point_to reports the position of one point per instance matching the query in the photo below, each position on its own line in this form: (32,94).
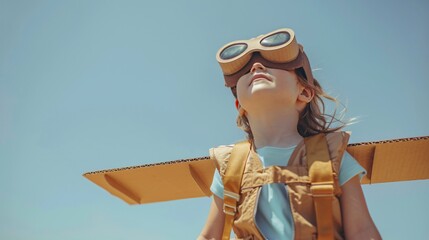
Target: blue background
(90,85)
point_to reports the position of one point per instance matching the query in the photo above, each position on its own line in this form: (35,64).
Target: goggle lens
(233,51)
(276,39)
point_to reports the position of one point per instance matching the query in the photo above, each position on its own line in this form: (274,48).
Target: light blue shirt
(273,216)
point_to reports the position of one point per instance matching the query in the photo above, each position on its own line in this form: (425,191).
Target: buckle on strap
(230,200)
(322,189)
(231,195)
(229,209)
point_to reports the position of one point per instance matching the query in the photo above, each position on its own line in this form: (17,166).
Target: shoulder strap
(232,184)
(322,183)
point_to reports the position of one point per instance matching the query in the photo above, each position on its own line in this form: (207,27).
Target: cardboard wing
(394,160)
(187,178)
(385,161)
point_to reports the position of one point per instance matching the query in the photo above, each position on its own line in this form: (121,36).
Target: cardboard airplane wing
(187,178)
(394,160)
(385,161)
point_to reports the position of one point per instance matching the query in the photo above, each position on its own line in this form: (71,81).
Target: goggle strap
(300,61)
(307,68)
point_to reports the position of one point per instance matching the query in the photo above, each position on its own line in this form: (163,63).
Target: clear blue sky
(90,85)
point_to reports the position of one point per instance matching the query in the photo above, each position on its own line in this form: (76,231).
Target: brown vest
(297,182)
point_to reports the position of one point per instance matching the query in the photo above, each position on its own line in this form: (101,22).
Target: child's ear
(306,95)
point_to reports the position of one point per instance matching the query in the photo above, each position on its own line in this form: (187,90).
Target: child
(280,108)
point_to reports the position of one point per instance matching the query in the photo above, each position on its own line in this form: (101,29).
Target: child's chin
(261,87)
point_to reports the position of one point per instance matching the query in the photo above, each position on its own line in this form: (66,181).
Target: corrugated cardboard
(385,161)
(394,160)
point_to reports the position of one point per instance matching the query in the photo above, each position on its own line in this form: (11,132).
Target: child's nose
(257,66)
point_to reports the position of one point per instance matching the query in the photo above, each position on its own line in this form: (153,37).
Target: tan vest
(295,176)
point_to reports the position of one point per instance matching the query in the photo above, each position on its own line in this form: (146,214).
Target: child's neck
(275,128)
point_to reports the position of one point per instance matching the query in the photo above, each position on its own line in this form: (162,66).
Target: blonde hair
(312,119)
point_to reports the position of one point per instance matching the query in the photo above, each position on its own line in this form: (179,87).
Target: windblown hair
(313,119)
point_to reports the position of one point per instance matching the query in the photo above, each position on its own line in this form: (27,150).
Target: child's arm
(215,221)
(357,221)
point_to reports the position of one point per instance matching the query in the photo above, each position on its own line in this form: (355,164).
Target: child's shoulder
(337,144)
(221,151)
(220,155)
(338,138)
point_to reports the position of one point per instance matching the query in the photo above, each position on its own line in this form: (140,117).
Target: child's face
(262,86)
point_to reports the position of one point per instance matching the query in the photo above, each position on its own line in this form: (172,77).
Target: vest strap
(275,174)
(322,184)
(232,183)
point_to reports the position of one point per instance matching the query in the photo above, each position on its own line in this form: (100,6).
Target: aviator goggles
(278,49)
